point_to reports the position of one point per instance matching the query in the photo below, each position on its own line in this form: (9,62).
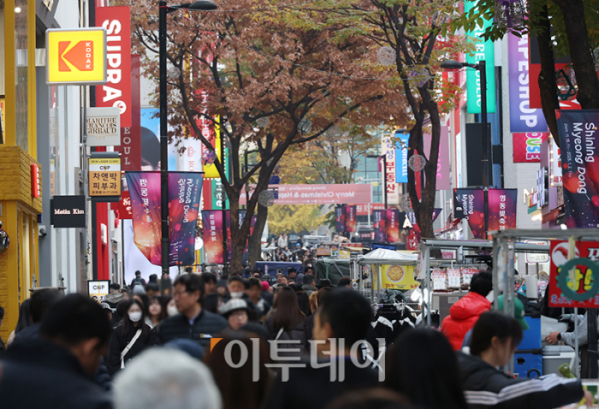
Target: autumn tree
(561,27)
(415,37)
(263,82)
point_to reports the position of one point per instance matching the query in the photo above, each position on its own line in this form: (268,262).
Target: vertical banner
(484,51)
(502,209)
(523,118)
(211,132)
(144,188)
(184,192)
(392,225)
(340,219)
(388,149)
(470,204)
(401,156)
(379,219)
(212,220)
(117,91)
(580,166)
(527,146)
(350,219)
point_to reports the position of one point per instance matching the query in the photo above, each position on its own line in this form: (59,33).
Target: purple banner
(379,220)
(350,219)
(470,204)
(212,220)
(522,118)
(185,189)
(340,219)
(144,188)
(502,209)
(184,193)
(580,166)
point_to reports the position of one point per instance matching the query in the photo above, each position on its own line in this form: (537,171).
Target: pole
(162,12)
(224,208)
(385,176)
(482,68)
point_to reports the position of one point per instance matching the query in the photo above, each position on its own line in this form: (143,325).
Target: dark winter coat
(120,340)
(206,326)
(309,289)
(312,388)
(38,374)
(485,387)
(299,333)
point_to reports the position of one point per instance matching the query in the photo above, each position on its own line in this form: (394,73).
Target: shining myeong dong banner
(184,202)
(379,222)
(523,118)
(580,166)
(484,51)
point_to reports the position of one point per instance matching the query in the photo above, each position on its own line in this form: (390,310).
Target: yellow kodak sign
(76,56)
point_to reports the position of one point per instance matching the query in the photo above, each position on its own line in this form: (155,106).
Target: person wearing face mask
(130,338)
(171,308)
(237,290)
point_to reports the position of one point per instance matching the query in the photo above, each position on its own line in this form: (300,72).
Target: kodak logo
(81,56)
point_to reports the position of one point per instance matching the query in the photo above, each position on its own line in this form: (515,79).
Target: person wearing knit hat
(265,286)
(235,312)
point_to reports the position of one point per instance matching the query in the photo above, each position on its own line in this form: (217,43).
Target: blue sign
(274,180)
(401,157)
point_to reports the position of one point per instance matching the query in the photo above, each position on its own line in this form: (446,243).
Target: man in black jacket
(192,322)
(55,370)
(343,315)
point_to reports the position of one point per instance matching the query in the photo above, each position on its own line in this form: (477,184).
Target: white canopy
(379,255)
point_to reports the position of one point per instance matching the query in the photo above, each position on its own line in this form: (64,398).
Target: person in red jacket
(464,313)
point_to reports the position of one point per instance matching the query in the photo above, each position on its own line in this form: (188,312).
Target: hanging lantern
(304,126)
(405,203)
(334,132)
(266,198)
(263,122)
(420,75)
(386,55)
(510,14)
(417,162)
(565,89)
(4,240)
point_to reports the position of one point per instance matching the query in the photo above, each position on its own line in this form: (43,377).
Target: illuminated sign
(76,56)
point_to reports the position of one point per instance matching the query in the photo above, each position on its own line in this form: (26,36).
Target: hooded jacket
(485,387)
(462,317)
(120,340)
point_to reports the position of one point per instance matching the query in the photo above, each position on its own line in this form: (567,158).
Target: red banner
(350,219)
(527,146)
(583,277)
(124,207)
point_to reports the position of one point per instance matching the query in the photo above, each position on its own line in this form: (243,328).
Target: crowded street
(299,204)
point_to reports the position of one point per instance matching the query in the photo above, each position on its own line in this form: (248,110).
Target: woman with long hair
(286,322)
(23,322)
(157,310)
(238,387)
(129,338)
(422,366)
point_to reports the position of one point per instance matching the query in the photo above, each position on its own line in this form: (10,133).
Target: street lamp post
(204,5)
(481,67)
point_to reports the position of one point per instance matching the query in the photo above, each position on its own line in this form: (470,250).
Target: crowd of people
(252,343)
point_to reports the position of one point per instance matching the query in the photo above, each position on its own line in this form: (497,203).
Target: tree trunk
(547,82)
(238,237)
(255,247)
(580,53)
